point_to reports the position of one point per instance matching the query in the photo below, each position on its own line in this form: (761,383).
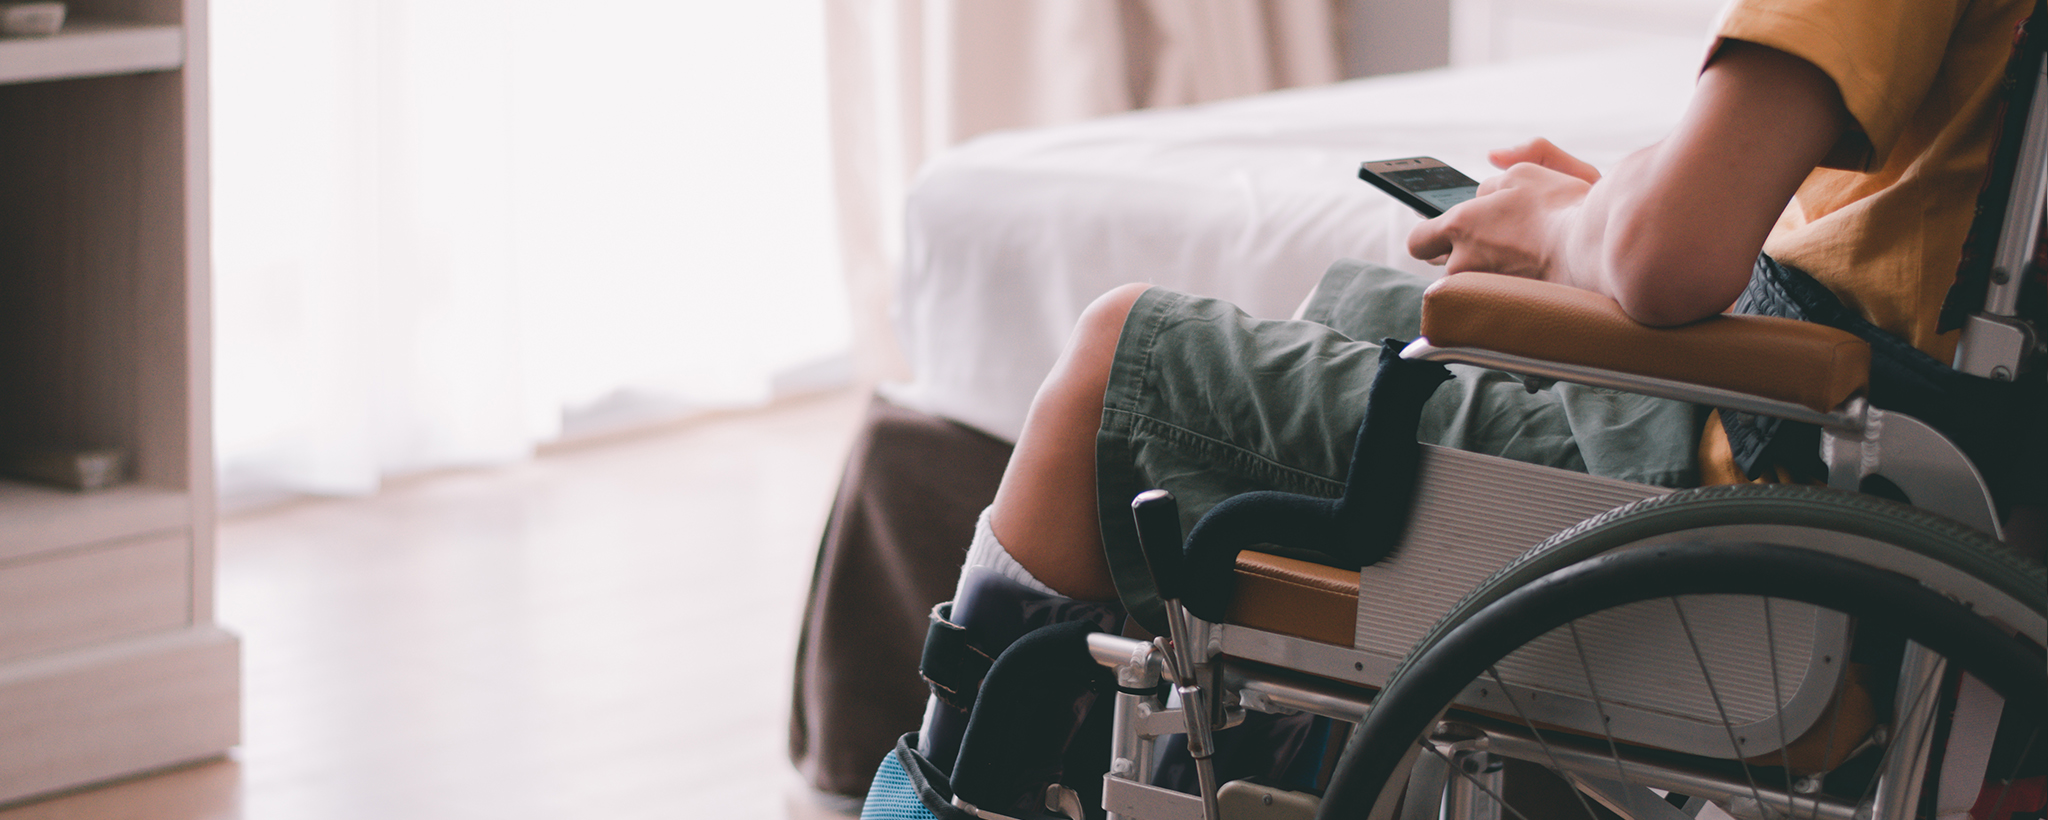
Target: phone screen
(1438,185)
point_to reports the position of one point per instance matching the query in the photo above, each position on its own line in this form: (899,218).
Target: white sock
(987,553)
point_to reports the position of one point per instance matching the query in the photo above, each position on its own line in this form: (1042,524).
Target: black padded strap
(952,663)
(1352,531)
(1379,488)
(1038,690)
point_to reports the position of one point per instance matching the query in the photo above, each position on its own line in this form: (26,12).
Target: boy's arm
(1671,232)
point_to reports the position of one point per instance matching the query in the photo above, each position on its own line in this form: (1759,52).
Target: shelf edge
(36,520)
(92,49)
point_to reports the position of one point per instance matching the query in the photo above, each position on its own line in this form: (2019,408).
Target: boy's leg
(1039,546)
(1045,513)
(1208,402)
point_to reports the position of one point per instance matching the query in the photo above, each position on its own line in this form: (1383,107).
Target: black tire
(1792,511)
(1645,552)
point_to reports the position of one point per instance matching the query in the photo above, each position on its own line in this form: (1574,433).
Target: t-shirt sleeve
(1882,54)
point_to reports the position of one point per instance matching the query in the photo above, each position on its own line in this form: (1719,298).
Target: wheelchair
(1541,643)
(1758,651)
(1753,651)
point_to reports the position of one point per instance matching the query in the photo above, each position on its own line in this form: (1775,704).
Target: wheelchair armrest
(1814,366)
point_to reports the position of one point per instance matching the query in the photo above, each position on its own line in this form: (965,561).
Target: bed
(1011,235)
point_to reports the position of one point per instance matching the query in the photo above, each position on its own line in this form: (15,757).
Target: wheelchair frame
(1476,514)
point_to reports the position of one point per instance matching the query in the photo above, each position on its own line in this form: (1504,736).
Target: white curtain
(446,228)
(910,77)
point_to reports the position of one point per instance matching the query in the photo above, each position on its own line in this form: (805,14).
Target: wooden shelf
(35,519)
(110,662)
(89,48)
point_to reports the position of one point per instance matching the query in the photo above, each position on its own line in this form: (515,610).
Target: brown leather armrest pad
(1295,598)
(1812,365)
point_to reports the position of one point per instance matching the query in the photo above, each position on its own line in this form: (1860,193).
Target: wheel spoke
(1778,706)
(1901,712)
(1459,771)
(1834,732)
(1721,708)
(1599,706)
(1548,754)
(1653,712)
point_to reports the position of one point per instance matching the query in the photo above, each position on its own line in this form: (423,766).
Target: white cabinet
(110,661)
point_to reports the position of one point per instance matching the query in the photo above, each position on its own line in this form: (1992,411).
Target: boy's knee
(1084,365)
(1103,320)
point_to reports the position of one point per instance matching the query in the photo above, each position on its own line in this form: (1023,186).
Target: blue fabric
(893,796)
(907,787)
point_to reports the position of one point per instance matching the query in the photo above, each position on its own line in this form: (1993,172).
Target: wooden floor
(605,632)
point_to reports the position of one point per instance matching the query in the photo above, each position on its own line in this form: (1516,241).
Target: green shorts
(1208,402)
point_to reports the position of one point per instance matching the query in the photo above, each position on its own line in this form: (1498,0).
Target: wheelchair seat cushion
(1812,365)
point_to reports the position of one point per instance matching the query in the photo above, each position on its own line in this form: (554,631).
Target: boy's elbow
(1660,310)
(1667,265)
(1674,288)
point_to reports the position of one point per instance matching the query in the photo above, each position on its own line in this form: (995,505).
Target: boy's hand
(1669,233)
(1517,222)
(1542,152)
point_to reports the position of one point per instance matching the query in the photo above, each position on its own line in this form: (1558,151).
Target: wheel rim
(1468,655)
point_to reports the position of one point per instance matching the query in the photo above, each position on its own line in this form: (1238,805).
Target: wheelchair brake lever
(1159,537)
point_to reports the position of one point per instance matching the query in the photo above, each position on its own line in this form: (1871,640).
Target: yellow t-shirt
(1883,226)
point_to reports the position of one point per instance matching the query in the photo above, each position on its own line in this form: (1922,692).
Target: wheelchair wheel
(1660,658)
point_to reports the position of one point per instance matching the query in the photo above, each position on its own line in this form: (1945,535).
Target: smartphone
(1423,183)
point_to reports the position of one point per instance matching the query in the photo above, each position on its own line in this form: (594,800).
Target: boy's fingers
(1537,150)
(1430,240)
(1540,151)
(1505,158)
(1556,159)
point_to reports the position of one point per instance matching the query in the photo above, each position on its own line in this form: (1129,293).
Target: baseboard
(75,718)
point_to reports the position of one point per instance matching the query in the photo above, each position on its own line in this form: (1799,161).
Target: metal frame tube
(1475,781)
(1138,666)
(1629,382)
(1424,798)
(2023,207)
(1589,756)
(1905,763)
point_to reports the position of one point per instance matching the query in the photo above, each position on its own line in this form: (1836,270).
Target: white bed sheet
(1011,235)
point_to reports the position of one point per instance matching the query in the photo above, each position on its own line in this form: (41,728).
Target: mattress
(1010,235)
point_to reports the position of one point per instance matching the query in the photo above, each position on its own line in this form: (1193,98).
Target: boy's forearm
(1663,259)
(1672,231)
